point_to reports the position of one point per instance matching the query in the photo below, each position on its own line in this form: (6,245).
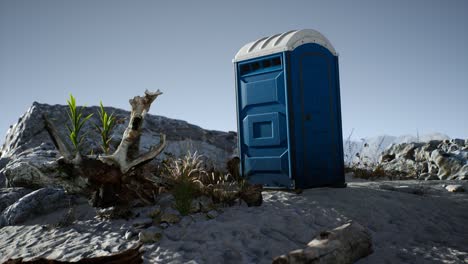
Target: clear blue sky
(403,64)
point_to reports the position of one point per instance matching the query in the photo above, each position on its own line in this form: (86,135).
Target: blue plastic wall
(289,119)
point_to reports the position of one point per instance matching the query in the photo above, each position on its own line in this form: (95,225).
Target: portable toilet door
(288,111)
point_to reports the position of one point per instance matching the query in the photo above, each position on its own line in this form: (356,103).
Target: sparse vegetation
(181,176)
(188,179)
(77,121)
(105,128)
(363,166)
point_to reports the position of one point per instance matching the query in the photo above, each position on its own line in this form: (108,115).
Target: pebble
(212,214)
(455,188)
(129,234)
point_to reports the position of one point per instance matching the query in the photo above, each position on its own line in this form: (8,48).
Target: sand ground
(428,227)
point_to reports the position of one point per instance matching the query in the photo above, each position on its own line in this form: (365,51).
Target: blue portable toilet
(288,111)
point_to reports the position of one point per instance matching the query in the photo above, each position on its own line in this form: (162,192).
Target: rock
(186,221)
(449,164)
(241,203)
(175,234)
(114,212)
(166,200)
(387,157)
(195,206)
(212,214)
(164,225)
(387,187)
(150,236)
(201,204)
(345,244)
(155,212)
(431,177)
(30,154)
(252,195)
(433,169)
(170,216)
(455,188)
(404,189)
(37,171)
(447,159)
(225,193)
(3,163)
(142,222)
(2,179)
(129,234)
(408,151)
(36,203)
(457,141)
(206,203)
(9,196)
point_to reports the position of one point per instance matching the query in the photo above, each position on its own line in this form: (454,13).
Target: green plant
(188,179)
(181,176)
(77,121)
(184,192)
(107,124)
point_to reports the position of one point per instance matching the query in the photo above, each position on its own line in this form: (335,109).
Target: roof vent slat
(255,44)
(282,37)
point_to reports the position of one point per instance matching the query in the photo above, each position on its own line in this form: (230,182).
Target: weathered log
(131,255)
(342,245)
(128,147)
(108,175)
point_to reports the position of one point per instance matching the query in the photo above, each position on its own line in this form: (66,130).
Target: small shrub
(184,192)
(181,176)
(188,179)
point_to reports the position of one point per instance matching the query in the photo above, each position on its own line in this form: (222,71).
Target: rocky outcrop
(436,159)
(9,196)
(28,157)
(39,202)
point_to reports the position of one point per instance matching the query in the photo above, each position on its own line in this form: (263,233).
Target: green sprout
(77,121)
(107,124)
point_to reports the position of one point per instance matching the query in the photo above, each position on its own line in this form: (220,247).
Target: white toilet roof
(282,42)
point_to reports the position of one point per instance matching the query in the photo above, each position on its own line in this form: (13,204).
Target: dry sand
(431,227)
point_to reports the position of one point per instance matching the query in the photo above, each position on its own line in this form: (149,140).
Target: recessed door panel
(263,122)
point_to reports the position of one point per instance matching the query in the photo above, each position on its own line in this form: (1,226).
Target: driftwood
(130,256)
(342,245)
(110,176)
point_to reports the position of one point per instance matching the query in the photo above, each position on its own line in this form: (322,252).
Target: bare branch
(151,154)
(58,142)
(126,156)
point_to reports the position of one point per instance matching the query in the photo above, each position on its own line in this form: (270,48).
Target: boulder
(343,245)
(29,157)
(9,196)
(39,202)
